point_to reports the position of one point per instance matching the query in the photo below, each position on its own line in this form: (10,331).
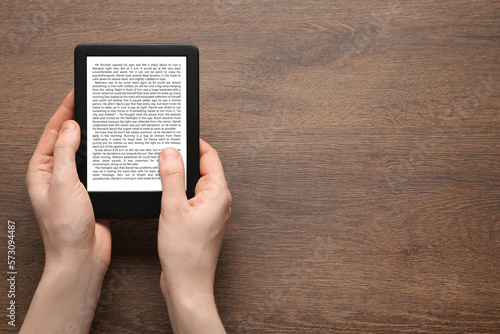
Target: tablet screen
(136,107)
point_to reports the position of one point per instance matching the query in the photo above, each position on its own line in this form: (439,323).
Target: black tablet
(131,102)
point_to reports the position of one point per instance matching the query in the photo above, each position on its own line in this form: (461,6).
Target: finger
(45,148)
(209,160)
(49,137)
(212,182)
(103,221)
(163,286)
(102,230)
(64,153)
(172,178)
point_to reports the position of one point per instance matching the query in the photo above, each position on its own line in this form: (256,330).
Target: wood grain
(360,141)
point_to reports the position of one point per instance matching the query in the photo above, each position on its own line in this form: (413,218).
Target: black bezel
(137,204)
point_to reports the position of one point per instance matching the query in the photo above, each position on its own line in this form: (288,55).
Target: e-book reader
(131,102)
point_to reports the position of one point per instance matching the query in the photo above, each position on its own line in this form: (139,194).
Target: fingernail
(170,153)
(68,126)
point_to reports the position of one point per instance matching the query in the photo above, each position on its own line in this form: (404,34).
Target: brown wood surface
(360,141)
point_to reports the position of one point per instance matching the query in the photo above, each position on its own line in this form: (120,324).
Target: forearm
(194,314)
(64,301)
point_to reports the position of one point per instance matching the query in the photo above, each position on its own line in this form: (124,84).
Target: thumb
(172,178)
(64,152)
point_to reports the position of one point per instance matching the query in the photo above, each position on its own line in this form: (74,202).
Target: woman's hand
(189,239)
(77,247)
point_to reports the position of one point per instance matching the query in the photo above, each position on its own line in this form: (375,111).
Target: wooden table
(360,141)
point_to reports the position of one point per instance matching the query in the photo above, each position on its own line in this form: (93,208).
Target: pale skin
(78,247)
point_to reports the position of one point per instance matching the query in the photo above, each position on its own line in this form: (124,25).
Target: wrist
(191,303)
(66,299)
(76,284)
(74,275)
(74,263)
(194,313)
(78,274)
